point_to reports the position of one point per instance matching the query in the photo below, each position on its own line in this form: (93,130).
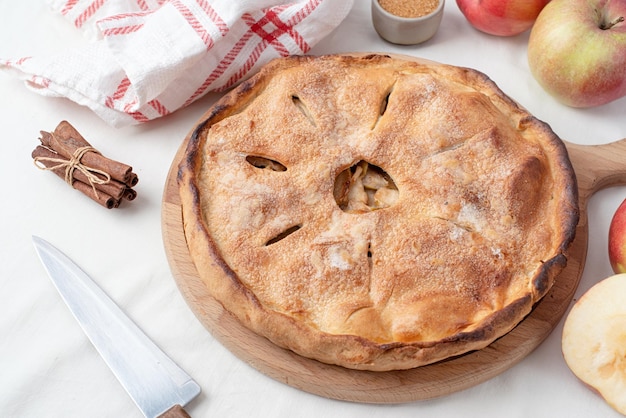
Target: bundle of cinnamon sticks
(67,154)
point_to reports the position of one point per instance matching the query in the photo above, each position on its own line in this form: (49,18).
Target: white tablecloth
(47,366)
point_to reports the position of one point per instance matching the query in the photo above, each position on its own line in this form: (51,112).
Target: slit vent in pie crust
(376,213)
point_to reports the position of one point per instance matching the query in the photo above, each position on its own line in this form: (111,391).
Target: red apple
(577,51)
(501,17)
(617,240)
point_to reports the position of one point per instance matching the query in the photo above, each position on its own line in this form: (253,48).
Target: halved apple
(594,340)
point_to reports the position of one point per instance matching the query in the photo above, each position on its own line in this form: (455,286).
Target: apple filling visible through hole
(364,187)
(265,163)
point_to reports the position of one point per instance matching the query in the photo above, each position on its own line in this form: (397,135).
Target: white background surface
(47,366)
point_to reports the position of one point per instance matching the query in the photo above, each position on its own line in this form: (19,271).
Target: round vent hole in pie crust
(364,187)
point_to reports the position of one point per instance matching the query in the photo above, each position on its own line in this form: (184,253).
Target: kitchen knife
(155,383)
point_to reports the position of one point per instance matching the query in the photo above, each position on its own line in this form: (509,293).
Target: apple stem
(608,25)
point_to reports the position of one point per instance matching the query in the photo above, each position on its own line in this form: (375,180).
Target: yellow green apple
(577,51)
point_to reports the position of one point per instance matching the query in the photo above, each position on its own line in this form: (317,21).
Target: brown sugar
(409,8)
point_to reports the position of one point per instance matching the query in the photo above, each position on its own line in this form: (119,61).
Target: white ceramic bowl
(406,30)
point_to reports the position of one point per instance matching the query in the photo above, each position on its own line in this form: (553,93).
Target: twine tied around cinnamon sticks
(67,154)
(90,173)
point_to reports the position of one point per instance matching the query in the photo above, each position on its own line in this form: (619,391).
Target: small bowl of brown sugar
(407,22)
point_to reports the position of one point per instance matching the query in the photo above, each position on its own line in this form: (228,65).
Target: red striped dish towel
(148,58)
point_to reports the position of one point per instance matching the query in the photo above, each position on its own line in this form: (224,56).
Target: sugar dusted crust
(480,210)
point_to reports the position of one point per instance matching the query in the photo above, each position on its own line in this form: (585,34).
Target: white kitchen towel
(148,58)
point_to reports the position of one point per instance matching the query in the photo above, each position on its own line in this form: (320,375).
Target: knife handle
(176,411)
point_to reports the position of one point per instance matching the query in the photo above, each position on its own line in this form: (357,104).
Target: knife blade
(158,386)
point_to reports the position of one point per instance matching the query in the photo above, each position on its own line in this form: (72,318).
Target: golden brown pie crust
(482,210)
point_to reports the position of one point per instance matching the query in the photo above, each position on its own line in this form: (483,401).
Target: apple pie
(375,212)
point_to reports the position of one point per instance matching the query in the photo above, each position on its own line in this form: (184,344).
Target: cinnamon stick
(67,154)
(84,187)
(132,180)
(102,198)
(113,188)
(130,194)
(65,140)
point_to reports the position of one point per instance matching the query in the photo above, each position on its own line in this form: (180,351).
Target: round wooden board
(596,167)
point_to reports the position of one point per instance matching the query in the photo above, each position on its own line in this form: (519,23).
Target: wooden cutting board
(596,167)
